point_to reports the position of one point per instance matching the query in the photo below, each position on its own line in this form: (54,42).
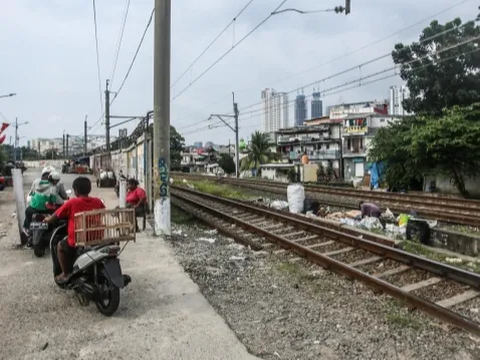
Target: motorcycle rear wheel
(39,249)
(108,298)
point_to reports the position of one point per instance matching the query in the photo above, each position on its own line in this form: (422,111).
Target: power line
(130,67)
(98,53)
(229,50)
(120,40)
(211,44)
(365,46)
(359,66)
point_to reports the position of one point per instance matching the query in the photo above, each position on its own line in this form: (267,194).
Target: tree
(177,143)
(51,154)
(438,80)
(258,152)
(448,145)
(227,164)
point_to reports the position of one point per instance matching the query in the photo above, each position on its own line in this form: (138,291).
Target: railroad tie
(370,260)
(338,252)
(421,284)
(458,299)
(394,271)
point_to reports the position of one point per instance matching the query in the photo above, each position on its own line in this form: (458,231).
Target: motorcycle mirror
(103,202)
(69,192)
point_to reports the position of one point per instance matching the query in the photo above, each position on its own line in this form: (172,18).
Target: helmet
(47,170)
(54,176)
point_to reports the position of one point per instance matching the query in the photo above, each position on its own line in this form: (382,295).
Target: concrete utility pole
(85,141)
(235,130)
(161,118)
(107,115)
(15,143)
(66,147)
(63,146)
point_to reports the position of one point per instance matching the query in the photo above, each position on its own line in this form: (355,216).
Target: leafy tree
(227,164)
(177,143)
(429,145)
(51,154)
(258,152)
(440,80)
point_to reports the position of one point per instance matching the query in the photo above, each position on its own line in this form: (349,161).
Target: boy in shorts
(66,249)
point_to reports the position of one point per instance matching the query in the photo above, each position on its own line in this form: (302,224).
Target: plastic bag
(296,198)
(279,205)
(371,223)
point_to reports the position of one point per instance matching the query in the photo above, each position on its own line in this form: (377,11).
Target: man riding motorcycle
(43,196)
(54,178)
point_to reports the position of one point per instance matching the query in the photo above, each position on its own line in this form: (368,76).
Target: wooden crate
(98,227)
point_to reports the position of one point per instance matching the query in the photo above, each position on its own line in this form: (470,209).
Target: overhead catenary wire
(211,44)
(227,52)
(132,63)
(95,24)
(120,40)
(364,46)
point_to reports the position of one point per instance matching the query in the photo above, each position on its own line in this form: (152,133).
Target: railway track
(445,209)
(435,288)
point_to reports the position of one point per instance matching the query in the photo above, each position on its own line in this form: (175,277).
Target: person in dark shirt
(369,209)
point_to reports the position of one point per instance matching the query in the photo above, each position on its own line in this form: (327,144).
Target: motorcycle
(96,276)
(42,233)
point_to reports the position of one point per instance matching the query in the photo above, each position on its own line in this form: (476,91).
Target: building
(358,131)
(319,138)
(198,144)
(300,110)
(317,106)
(275,110)
(341,110)
(397,95)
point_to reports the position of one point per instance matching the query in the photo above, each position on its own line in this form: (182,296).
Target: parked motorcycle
(96,276)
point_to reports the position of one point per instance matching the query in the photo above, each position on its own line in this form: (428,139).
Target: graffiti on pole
(163,172)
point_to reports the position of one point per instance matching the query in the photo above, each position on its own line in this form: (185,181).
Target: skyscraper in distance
(275,110)
(317,106)
(300,110)
(397,95)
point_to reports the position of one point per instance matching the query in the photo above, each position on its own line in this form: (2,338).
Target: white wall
(445,186)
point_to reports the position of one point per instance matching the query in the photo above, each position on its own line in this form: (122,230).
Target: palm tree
(258,152)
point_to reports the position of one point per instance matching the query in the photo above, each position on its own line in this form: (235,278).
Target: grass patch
(219,190)
(417,248)
(398,315)
(181,217)
(289,268)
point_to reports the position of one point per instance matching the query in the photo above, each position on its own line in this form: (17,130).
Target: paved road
(162,314)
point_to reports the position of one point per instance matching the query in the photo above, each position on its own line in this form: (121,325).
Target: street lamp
(17,124)
(7,95)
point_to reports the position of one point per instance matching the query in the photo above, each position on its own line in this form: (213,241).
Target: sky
(48,57)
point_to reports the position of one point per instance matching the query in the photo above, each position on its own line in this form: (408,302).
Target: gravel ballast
(293,310)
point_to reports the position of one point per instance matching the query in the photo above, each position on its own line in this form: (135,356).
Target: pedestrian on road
(369,209)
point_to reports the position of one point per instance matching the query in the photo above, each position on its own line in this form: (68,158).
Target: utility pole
(15,143)
(66,147)
(107,115)
(63,146)
(85,141)
(161,118)
(235,130)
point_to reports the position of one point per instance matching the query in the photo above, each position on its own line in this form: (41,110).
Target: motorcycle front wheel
(108,298)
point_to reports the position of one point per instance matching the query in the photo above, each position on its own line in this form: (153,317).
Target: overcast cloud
(47,56)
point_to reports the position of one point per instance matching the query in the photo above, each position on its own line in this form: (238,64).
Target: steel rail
(341,268)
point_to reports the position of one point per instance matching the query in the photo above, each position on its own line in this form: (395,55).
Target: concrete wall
(445,186)
(37,164)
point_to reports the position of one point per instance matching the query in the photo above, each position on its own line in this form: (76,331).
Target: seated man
(82,202)
(43,198)
(369,209)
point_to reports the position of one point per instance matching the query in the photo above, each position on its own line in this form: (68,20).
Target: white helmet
(48,169)
(54,176)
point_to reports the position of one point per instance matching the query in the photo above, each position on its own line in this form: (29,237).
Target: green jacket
(43,193)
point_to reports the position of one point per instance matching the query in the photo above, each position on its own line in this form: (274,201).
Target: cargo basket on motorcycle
(98,227)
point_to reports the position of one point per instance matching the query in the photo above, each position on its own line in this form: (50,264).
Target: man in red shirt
(136,198)
(66,249)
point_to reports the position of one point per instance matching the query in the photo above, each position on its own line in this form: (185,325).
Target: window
(328,146)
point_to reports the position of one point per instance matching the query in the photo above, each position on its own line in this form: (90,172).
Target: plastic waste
(371,223)
(279,205)
(296,197)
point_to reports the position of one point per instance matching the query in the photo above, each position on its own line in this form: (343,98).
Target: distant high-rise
(275,110)
(397,95)
(317,106)
(300,110)
(198,144)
